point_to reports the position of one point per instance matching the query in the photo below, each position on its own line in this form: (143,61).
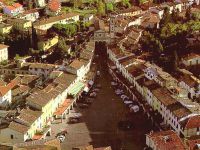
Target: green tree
(126,3)
(175,15)
(101,8)
(188,13)
(151,43)
(109,7)
(166,17)
(77,3)
(17,57)
(62,46)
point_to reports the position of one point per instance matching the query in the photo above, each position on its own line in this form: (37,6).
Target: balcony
(41,134)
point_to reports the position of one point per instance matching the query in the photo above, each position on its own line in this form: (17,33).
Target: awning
(76,88)
(65,105)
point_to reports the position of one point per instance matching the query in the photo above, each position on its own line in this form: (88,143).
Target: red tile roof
(167,140)
(54,5)
(193,122)
(2,46)
(6,88)
(10,7)
(192,144)
(16,5)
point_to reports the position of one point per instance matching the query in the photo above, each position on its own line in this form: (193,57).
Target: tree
(109,7)
(175,15)
(17,57)
(101,8)
(62,47)
(188,13)
(126,3)
(166,18)
(77,3)
(142,1)
(151,43)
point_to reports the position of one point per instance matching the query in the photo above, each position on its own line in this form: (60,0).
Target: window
(11,136)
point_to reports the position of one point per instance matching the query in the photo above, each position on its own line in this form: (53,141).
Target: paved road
(99,122)
(99,126)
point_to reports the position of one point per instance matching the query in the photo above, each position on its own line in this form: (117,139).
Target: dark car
(73,120)
(64,132)
(125,125)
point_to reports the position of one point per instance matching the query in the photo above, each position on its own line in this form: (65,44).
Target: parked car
(125,125)
(88,101)
(98,86)
(114,83)
(64,132)
(98,73)
(96,90)
(119,92)
(123,96)
(61,138)
(83,105)
(73,120)
(93,94)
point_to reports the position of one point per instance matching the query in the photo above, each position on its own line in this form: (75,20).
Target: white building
(3,52)
(5,95)
(79,68)
(30,15)
(191,59)
(41,69)
(46,24)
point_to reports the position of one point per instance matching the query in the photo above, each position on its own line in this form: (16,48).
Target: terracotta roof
(131,9)
(54,5)
(30,11)
(191,56)
(42,66)
(164,96)
(3,46)
(16,5)
(192,143)
(66,79)
(77,64)
(167,140)
(4,90)
(193,122)
(29,116)
(55,19)
(18,127)
(151,84)
(188,80)
(10,7)
(37,137)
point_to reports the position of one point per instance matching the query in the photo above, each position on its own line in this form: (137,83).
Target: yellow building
(47,44)
(20,24)
(5,28)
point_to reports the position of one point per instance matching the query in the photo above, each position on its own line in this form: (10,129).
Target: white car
(93,94)
(96,90)
(123,96)
(119,92)
(98,73)
(114,83)
(61,138)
